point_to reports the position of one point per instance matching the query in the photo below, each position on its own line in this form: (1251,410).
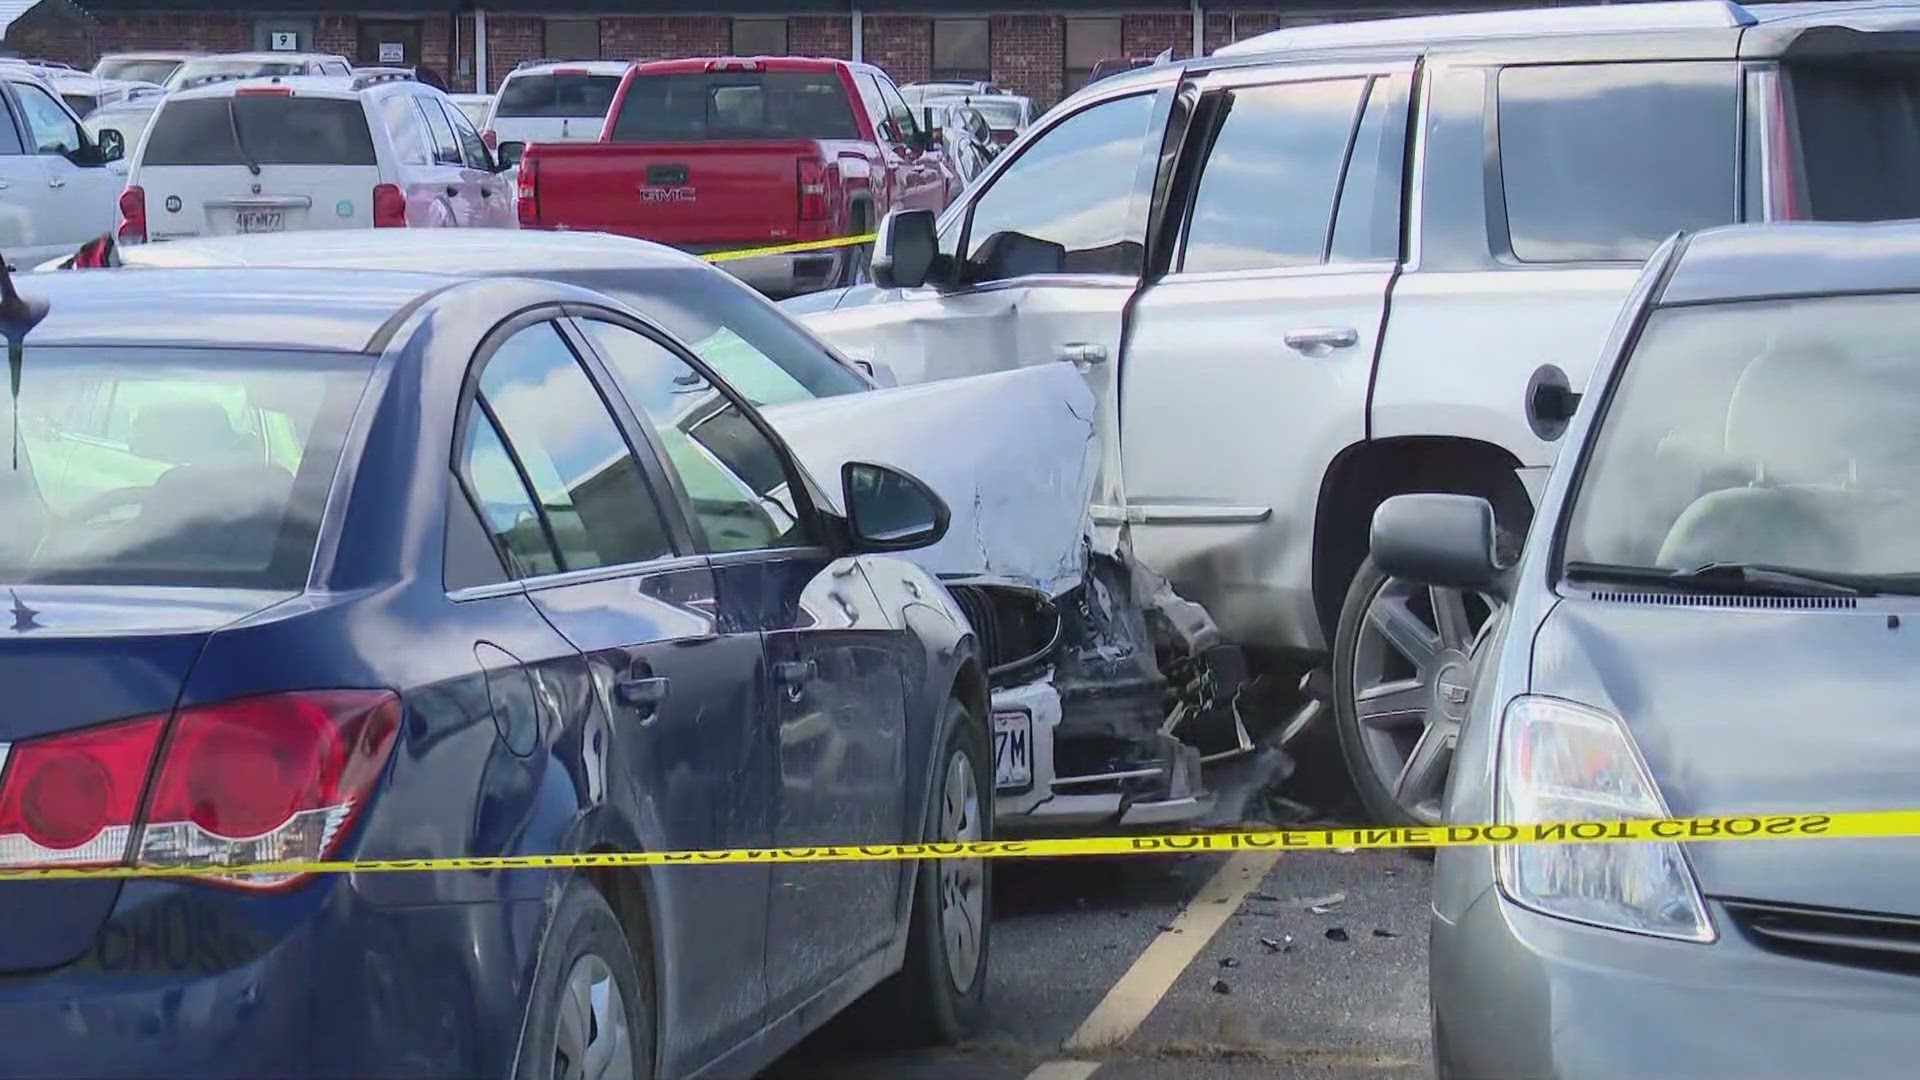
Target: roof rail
(194,82)
(366,77)
(543,61)
(1528,22)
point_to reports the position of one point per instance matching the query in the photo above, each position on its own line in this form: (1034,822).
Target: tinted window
(81,104)
(571,94)
(593,500)
(173,467)
(1777,431)
(735,105)
(408,129)
(1858,125)
(1072,191)
(763,355)
(54,132)
(445,150)
(1265,196)
(1604,161)
(1367,225)
(472,148)
(733,475)
(273,130)
(904,121)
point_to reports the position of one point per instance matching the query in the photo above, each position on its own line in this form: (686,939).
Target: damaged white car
(1110,692)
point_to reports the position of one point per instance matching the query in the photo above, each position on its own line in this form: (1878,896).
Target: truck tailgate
(696,194)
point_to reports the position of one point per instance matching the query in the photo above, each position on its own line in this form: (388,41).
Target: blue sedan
(308,564)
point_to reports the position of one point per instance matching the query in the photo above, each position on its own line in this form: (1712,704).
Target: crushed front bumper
(1077,784)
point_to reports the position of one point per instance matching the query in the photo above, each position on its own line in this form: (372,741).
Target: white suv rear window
(266,129)
(561,94)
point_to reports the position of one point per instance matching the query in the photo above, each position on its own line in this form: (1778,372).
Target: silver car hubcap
(591,1039)
(1411,672)
(963,901)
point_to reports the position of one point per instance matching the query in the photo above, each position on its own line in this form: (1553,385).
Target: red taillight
(280,777)
(812,177)
(70,799)
(133,216)
(526,192)
(269,91)
(389,207)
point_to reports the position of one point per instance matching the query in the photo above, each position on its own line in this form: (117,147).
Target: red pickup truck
(713,154)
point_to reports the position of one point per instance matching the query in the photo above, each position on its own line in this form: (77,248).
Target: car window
(173,467)
(446,151)
(698,106)
(472,148)
(271,129)
(874,101)
(1856,123)
(335,67)
(12,129)
(508,507)
(1775,431)
(1604,161)
(897,108)
(1367,225)
(560,94)
(408,129)
(592,501)
(1064,206)
(734,477)
(1266,191)
(54,132)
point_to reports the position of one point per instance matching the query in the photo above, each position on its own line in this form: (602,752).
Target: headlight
(1565,762)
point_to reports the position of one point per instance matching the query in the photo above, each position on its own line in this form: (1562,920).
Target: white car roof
(320,86)
(153,54)
(447,251)
(591,67)
(265,57)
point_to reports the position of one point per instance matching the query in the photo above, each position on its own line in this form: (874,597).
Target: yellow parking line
(1132,999)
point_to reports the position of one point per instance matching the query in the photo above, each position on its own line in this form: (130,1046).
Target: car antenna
(18,316)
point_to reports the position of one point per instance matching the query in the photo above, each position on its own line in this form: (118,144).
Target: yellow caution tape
(788,249)
(1796,826)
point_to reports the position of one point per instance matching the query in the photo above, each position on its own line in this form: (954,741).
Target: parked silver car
(1711,617)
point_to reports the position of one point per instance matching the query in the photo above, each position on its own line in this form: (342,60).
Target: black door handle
(642,693)
(795,673)
(452,192)
(486,193)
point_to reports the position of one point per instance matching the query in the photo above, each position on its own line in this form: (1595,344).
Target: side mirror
(1443,540)
(1551,403)
(888,510)
(904,248)
(113,146)
(508,155)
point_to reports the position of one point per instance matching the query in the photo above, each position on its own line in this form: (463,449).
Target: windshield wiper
(1731,577)
(240,144)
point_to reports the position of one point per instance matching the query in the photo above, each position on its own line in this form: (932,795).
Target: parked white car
(286,154)
(57,188)
(551,101)
(257,64)
(155,67)
(127,119)
(84,92)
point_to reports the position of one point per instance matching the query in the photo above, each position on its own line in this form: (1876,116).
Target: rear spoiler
(100,253)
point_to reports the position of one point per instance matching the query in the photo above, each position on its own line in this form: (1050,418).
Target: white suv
(257,65)
(552,101)
(273,155)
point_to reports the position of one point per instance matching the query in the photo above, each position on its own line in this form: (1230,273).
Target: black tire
(585,929)
(925,1003)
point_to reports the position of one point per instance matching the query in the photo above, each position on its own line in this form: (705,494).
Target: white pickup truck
(1338,263)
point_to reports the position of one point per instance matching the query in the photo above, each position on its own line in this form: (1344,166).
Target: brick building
(1042,48)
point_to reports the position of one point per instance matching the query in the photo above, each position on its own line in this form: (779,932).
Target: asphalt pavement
(1308,965)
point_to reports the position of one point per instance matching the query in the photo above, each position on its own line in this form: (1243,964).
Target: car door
(495,208)
(608,564)
(80,201)
(1282,240)
(23,194)
(445,180)
(413,150)
(835,664)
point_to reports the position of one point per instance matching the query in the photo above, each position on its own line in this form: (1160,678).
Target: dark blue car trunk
(75,657)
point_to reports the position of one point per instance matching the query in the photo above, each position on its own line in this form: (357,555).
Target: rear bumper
(192,981)
(781,276)
(1160,784)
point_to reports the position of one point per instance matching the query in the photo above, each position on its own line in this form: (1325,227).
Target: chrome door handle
(1083,353)
(1321,340)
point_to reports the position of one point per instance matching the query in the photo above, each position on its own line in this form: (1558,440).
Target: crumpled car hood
(1013,453)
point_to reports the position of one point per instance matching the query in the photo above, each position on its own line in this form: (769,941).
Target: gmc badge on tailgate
(667,194)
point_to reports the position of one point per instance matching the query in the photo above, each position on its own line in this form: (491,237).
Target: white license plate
(257,221)
(1012,750)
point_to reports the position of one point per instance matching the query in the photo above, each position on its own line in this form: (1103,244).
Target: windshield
(735,105)
(1001,114)
(173,466)
(761,354)
(561,94)
(194,69)
(1779,432)
(476,110)
(137,70)
(272,130)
